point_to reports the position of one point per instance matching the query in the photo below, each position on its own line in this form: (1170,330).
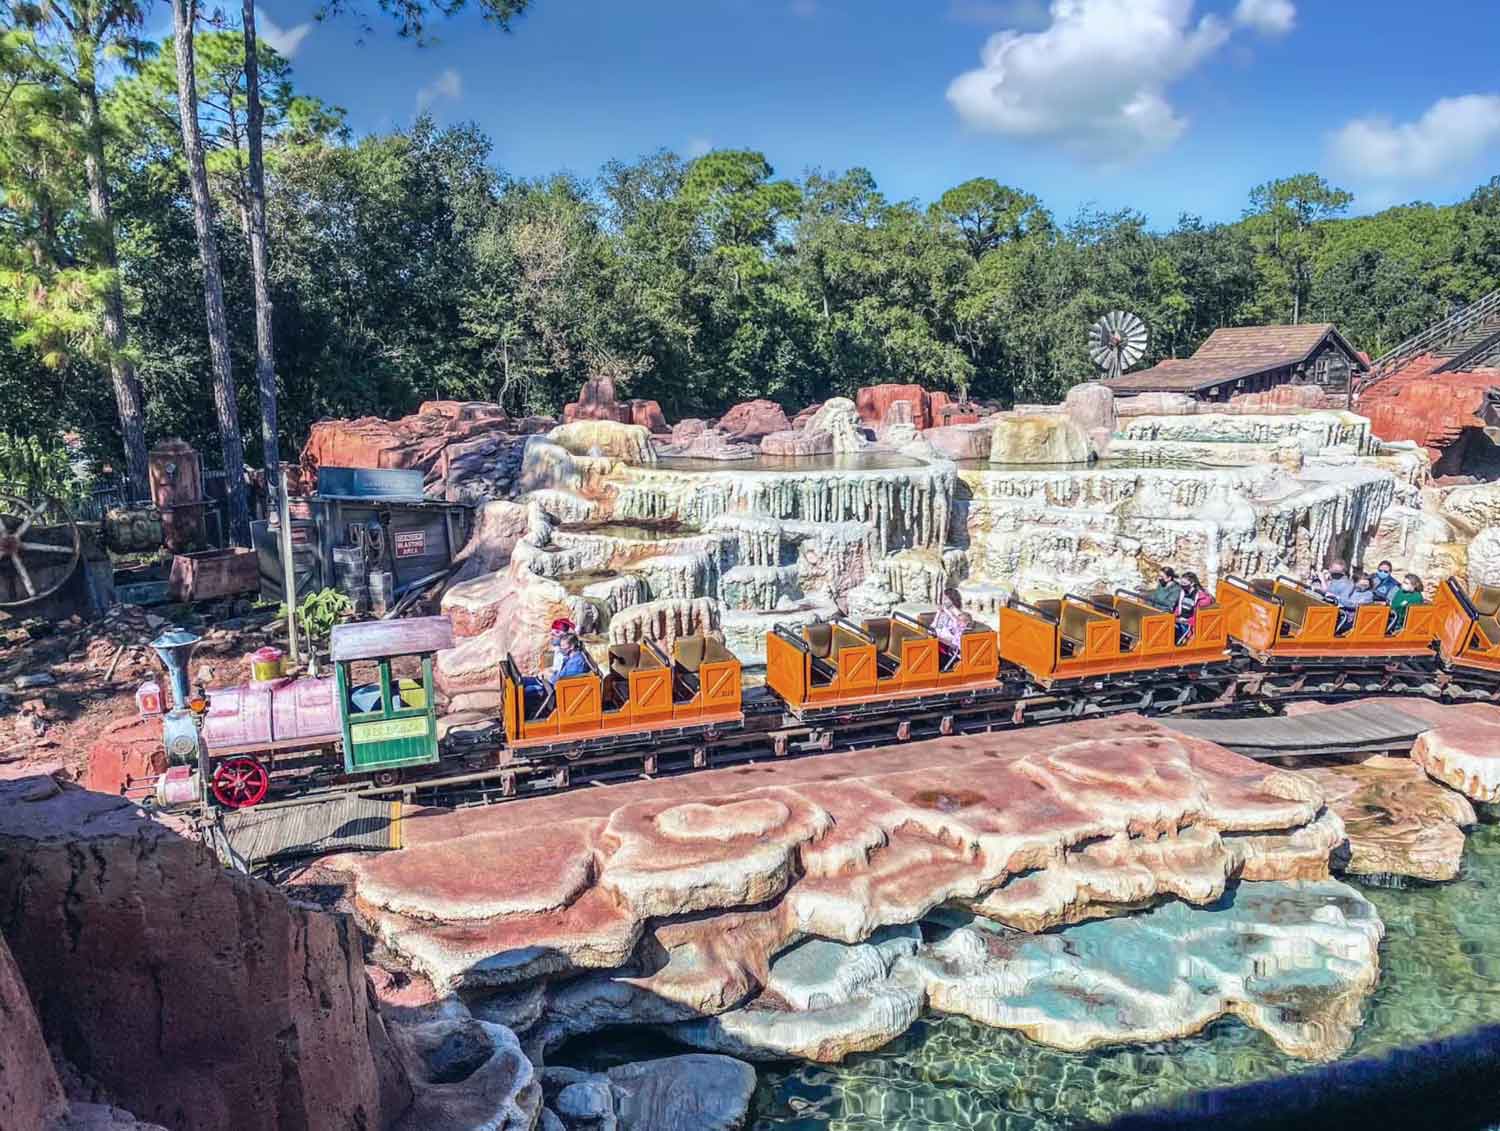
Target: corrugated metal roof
(370,640)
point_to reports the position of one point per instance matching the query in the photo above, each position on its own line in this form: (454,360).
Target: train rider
(1404,598)
(1337,586)
(947,625)
(1168,593)
(1383,583)
(571,661)
(1193,598)
(560,627)
(1363,593)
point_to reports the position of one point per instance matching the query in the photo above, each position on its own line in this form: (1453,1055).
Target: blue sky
(1162,105)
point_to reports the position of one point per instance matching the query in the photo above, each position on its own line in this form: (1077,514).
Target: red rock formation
(754,420)
(874,403)
(418,441)
(1433,409)
(30,1094)
(1283,397)
(596,401)
(836,846)
(797,443)
(129,750)
(195,996)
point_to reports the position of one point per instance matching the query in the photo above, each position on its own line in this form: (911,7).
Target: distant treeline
(406,266)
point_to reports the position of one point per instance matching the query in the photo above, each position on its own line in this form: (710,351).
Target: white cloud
(1095,78)
(1269,17)
(1451,134)
(449,84)
(699,146)
(285,41)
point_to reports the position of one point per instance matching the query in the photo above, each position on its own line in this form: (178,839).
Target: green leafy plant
(37,466)
(319,612)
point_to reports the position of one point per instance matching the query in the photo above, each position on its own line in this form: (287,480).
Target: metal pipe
(288,569)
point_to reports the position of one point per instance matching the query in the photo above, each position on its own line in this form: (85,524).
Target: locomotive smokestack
(175,647)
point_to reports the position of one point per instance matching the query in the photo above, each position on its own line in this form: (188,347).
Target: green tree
(1286,221)
(64,286)
(986,214)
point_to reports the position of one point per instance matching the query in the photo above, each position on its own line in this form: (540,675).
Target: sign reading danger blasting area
(411,543)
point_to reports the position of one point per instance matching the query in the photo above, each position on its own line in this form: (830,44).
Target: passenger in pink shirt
(948,626)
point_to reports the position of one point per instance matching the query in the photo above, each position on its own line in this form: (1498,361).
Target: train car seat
(819,639)
(1486,600)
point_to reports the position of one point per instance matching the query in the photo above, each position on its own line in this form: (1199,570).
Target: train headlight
(182,745)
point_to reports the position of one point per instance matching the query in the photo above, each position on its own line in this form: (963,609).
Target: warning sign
(411,543)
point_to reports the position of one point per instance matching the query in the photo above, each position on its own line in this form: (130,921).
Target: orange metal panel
(1421,624)
(1158,634)
(1028,642)
(857,672)
(1370,622)
(1318,625)
(1253,620)
(788,669)
(1210,630)
(919,662)
(579,704)
(719,686)
(1453,622)
(1101,640)
(980,655)
(650,693)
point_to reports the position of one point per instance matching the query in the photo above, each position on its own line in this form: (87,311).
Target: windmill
(1116,342)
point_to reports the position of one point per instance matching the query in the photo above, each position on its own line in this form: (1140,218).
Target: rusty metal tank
(284,713)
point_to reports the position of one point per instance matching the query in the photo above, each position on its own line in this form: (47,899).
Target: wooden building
(1252,359)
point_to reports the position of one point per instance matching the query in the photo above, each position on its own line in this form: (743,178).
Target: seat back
(688,652)
(1486,600)
(1074,619)
(714,652)
(879,630)
(624,658)
(819,639)
(1295,602)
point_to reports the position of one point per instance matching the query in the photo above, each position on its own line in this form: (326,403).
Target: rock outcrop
(467,450)
(1398,820)
(467,1074)
(1294,960)
(754,420)
(197,997)
(1464,753)
(676,1093)
(127,750)
(672,902)
(30,1093)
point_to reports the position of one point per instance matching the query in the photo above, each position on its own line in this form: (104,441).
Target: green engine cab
(389,722)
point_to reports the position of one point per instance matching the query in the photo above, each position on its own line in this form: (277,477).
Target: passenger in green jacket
(1404,598)
(1168,594)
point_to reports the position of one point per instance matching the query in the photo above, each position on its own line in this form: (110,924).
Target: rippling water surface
(1440,975)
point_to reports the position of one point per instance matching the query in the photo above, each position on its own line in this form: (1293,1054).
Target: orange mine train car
(1284,619)
(642,691)
(1081,637)
(840,664)
(1468,627)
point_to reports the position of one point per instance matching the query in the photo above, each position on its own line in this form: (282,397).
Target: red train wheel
(240,782)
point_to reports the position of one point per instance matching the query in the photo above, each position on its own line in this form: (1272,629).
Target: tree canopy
(406,266)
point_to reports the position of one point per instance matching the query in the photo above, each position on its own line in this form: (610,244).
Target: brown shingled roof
(1230,353)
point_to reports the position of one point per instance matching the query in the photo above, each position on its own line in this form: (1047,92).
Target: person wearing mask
(1383,583)
(568,660)
(1168,594)
(1194,597)
(1337,585)
(1363,593)
(560,627)
(1404,598)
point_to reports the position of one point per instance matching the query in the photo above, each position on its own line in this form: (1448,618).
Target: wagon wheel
(240,782)
(39,546)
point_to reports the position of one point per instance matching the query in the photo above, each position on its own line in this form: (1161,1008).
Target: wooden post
(288,568)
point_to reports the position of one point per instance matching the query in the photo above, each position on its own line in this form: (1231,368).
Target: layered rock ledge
(682,902)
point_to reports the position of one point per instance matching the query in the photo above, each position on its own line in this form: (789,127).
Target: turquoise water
(1440,976)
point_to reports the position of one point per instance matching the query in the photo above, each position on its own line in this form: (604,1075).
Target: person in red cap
(560,628)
